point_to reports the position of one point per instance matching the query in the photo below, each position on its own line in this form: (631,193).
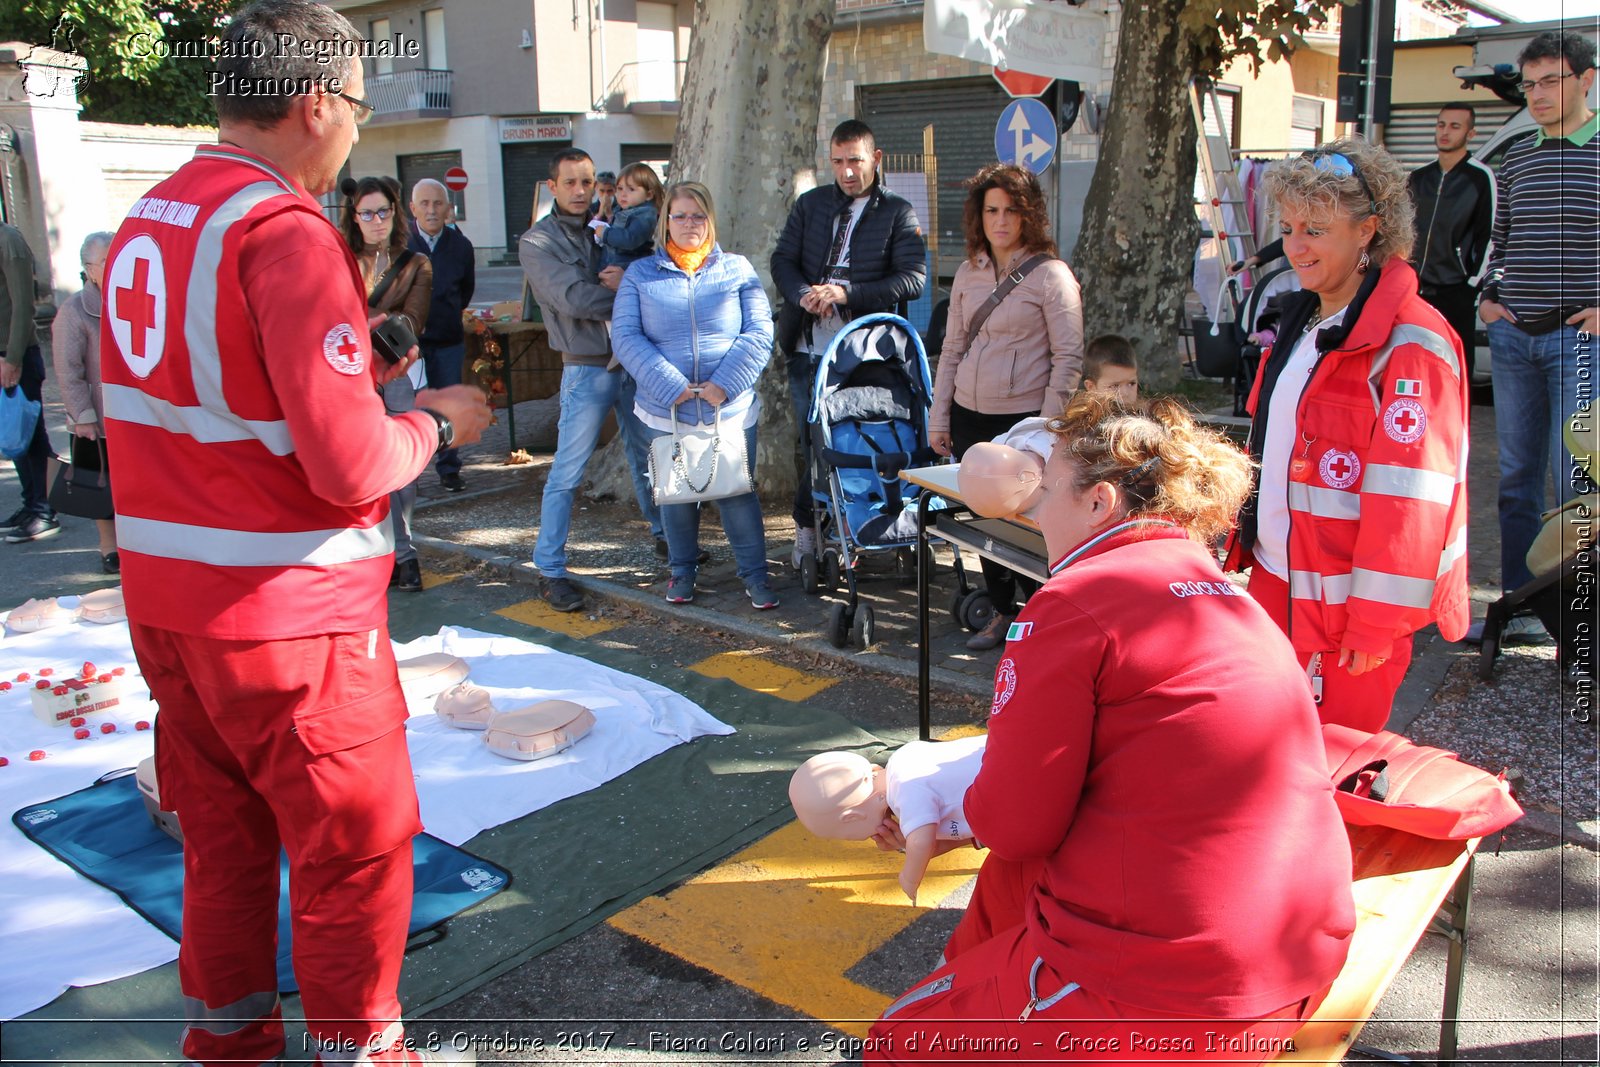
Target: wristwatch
(447,432)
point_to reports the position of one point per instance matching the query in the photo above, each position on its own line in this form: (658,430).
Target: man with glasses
(562,263)
(848,248)
(255,463)
(1454,198)
(443,341)
(1541,295)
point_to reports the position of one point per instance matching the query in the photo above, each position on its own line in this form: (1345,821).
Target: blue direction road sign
(1026,135)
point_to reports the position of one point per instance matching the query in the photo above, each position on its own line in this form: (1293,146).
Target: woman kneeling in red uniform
(1154,777)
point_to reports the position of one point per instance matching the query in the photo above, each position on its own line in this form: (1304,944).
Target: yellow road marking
(431,579)
(788,916)
(572,623)
(754,671)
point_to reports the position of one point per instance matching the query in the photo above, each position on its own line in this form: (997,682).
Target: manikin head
(839,795)
(998,481)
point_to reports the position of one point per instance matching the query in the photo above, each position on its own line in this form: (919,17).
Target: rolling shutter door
(1409,135)
(430,165)
(524,168)
(963,112)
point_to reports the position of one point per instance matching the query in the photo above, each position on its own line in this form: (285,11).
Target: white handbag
(693,465)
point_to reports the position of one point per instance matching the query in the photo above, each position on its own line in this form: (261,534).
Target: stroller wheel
(955,607)
(839,621)
(864,628)
(831,573)
(905,565)
(810,581)
(976,610)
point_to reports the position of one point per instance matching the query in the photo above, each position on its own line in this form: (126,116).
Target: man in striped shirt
(1541,297)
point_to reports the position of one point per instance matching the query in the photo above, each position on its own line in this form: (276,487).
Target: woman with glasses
(75,352)
(397,281)
(692,324)
(1167,874)
(1007,361)
(1356,533)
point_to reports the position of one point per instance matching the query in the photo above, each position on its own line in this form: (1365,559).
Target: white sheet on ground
(58,929)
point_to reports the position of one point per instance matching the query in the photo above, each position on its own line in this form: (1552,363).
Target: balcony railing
(410,94)
(645,86)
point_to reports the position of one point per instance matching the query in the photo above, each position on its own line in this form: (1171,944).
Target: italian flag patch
(1019,630)
(1407,387)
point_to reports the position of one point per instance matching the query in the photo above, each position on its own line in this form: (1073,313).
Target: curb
(521,570)
(1428,667)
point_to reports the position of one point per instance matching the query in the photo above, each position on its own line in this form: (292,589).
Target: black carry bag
(81,485)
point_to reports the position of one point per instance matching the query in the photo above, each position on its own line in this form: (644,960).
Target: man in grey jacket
(22,365)
(562,263)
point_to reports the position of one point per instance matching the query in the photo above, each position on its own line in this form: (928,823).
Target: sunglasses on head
(1342,165)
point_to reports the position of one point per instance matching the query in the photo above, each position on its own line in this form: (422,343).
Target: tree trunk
(747,129)
(1136,249)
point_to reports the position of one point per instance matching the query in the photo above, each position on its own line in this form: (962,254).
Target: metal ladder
(1222,188)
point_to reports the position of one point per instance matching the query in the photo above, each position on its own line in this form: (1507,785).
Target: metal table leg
(924,653)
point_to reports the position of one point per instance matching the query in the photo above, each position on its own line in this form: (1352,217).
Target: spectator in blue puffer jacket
(692,324)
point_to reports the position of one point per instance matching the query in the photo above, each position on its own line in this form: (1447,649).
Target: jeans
(741,520)
(443,364)
(399,397)
(1536,382)
(967,428)
(587,393)
(33,464)
(802,367)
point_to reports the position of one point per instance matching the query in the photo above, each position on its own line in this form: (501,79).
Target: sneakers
(452,482)
(993,634)
(680,590)
(111,562)
(805,544)
(761,596)
(1520,629)
(560,594)
(33,528)
(407,576)
(17,518)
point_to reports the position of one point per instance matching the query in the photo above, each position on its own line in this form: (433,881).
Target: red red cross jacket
(1378,482)
(254,460)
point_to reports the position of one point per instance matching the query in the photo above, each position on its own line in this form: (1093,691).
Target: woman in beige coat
(1026,356)
(75,352)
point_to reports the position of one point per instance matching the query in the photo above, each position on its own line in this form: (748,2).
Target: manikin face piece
(839,795)
(998,481)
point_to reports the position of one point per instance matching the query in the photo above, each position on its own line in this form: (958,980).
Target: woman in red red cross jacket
(1168,877)
(1356,535)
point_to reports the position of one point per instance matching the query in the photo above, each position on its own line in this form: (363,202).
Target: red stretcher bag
(1382,779)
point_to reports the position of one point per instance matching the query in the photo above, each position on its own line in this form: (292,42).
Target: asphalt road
(612,996)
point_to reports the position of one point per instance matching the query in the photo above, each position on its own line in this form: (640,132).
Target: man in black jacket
(443,340)
(847,249)
(1454,197)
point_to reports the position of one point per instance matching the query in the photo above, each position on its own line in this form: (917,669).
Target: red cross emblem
(1405,420)
(1339,468)
(136,288)
(343,351)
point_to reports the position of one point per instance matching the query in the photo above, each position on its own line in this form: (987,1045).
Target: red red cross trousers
(1339,468)
(137,306)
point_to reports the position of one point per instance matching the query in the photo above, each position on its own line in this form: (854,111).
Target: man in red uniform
(240,388)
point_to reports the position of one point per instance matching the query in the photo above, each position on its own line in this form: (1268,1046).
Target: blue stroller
(868,421)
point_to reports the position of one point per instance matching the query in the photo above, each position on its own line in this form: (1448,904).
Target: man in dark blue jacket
(443,341)
(847,249)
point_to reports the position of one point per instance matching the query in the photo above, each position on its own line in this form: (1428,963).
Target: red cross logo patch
(1404,421)
(136,304)
(343,351)
(1005,684)
(1339,468)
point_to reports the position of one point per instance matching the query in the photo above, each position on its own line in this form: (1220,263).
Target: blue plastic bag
(18,415)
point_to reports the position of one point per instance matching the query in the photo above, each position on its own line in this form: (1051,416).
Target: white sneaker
(1523,629)
(805,544)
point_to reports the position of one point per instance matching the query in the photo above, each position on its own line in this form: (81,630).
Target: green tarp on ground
(574,863)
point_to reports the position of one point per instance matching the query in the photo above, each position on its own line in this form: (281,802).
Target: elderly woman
(1356,534)
(1167,868)
(692,324)
(1003,362)
(75,351)
(398,281)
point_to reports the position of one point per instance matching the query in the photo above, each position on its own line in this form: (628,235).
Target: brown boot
(993,634)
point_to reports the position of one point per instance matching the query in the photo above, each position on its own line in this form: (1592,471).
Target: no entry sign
(455,178)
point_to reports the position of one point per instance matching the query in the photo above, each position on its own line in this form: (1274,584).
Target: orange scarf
(689,259)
